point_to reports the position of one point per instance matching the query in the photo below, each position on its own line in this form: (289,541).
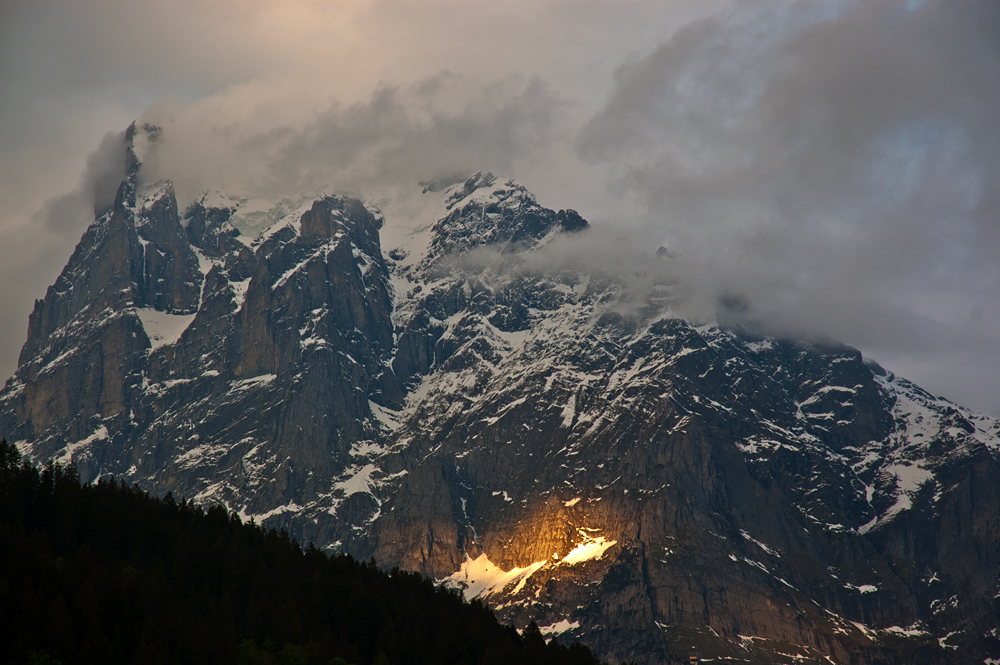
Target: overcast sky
(835,163)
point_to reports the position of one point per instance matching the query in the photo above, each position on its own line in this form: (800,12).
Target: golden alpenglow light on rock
(480,577)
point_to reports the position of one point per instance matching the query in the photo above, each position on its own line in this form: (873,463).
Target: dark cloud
(835,162)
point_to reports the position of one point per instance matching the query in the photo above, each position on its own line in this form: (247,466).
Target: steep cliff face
(649,485)
(481,405)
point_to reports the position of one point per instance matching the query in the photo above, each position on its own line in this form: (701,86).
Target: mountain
(479,400)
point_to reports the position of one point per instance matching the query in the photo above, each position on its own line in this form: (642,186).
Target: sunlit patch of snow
(590,548)
(571,502)
(479,578)
(163,328)
(559,627)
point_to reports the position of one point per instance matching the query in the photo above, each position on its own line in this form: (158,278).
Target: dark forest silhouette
(105,573)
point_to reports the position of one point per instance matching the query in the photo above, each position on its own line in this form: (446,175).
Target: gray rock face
(482,407)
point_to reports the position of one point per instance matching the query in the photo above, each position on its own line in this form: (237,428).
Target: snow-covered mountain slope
(477,401)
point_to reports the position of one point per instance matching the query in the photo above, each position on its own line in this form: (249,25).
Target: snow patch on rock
(163,328)
(480,577)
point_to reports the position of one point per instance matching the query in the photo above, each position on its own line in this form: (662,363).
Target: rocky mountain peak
(171,277)
(489,211)
(332,214)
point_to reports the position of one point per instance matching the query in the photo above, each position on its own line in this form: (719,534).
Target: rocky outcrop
(547,436)
(171,278)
